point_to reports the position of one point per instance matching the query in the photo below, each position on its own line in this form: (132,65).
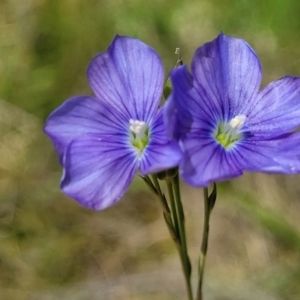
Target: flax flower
(224,124)
(104,141)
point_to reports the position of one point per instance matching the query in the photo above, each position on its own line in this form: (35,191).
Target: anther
(137,127)
(237,122)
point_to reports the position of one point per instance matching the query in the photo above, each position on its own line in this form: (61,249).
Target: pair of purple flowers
(214,125)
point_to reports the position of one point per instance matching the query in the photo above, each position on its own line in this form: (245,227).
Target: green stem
(161,196)
(181,219)
(204,243)
(173,209)
(183,245)
(174,218)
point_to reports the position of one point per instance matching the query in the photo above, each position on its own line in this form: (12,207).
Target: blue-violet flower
(224,124)
(104,141)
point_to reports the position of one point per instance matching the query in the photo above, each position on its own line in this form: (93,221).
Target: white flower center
(139,134)
(228,134)
(138,127)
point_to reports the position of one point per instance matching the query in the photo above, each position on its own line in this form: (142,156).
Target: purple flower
(103,141)
(224,124)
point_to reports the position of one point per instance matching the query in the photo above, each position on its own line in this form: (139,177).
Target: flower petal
(97,171)
(277,108)
(280,155)
(80,116)
(228,72)
(161,154)
(205,162)
(129,76)
(185,111)
(159,157)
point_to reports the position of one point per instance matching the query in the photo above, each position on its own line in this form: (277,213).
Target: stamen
(237,122)
(228,134)
(139,134)
(137,127)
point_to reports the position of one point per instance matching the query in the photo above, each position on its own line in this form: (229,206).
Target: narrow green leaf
(150,185)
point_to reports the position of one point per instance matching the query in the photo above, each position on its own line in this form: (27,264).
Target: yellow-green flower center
(228,134)
(139,134)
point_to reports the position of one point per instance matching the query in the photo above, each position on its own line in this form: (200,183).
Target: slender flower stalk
(173,209)
(161,196)
(204,244)
(174,219)
(183,243)
(166,210)
(178,217)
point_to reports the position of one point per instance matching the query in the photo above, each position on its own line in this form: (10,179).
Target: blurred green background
(50,247)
